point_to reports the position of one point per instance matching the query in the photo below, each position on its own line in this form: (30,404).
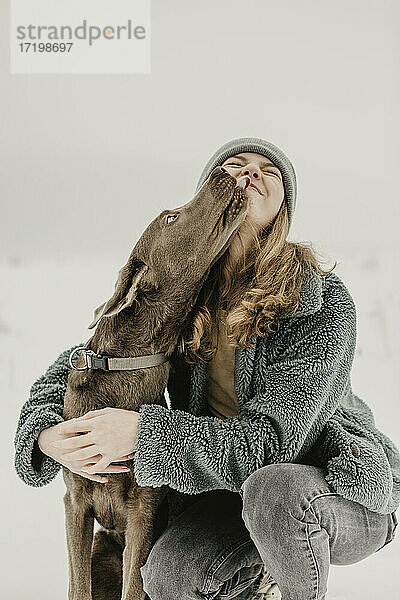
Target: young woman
(279,465)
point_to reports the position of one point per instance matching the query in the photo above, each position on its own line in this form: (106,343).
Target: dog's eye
(172,217)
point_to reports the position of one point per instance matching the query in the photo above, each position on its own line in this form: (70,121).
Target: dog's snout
(218,171)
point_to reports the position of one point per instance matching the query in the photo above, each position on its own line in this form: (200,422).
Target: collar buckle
(96,361)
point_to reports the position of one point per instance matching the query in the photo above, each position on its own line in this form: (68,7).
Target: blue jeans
(286,517)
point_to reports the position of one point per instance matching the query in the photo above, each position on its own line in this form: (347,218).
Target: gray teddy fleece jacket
(295,405)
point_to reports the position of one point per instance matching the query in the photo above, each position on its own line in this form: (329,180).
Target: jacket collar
(310,295)
(310,301)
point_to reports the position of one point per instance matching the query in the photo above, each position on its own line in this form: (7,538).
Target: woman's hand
(109,435)
(45,442)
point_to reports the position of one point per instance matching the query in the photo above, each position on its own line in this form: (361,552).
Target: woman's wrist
(135,429)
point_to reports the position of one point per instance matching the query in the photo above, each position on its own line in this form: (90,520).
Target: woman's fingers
(108,469)
(116,469)
(73,426)
(93,413)
(126,457)
(91,467)
(97,478)
(82,453)
(101,466)
(91,476)
(74,442)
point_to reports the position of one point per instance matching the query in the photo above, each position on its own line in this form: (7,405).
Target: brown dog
(153,297)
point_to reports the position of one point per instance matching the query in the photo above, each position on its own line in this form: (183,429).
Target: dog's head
(177,250)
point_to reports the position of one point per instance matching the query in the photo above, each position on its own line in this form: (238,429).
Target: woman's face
(266,191)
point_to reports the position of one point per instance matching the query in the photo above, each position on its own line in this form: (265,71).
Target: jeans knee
(166,575)
(253,492)
(158,575)
(278,488)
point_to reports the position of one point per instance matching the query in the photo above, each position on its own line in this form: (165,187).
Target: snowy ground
(46,307)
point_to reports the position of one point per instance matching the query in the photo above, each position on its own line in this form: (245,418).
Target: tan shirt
(221,395)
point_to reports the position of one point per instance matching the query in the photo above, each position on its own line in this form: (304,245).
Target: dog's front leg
(79,523)
(132,585)
(138,541)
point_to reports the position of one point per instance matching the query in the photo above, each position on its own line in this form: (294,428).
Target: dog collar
(113,363)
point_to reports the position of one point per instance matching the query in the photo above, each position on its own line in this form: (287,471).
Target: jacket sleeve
(43,409)
(295,397)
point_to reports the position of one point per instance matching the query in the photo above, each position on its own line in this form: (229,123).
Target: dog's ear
(126,288)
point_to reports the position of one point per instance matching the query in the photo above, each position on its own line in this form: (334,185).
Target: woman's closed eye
(272,173)
(236,165)
(231,165)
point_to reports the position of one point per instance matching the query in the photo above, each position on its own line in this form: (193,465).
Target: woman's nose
(251,170)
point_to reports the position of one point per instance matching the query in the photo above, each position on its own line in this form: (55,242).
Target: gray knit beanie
(260,146)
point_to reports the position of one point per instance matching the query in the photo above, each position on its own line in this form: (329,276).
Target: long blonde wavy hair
(251,296)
